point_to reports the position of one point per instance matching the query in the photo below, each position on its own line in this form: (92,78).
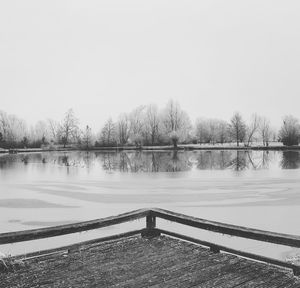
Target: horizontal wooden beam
(233,230)
(217,248)
(77,246)
(34,234)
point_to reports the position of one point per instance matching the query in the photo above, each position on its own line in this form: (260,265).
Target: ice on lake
(259,189)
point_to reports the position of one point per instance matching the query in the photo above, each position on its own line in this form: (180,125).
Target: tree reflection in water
(64,160)
(239,162)
(138,161)
(214,160)
(290,160)
(236,160)
(178,161)
(157,161)
(108,160)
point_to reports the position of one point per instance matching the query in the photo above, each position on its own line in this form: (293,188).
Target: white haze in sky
(102,58)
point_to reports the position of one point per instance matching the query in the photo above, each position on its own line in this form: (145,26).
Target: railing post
(214,249)
(150,222)
(150,230)
(296,271)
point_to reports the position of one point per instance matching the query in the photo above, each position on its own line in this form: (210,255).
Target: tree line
(146,126)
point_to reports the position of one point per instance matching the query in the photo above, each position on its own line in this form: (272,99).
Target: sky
(102,58)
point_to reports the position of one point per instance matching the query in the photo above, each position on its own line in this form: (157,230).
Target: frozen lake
(256,189)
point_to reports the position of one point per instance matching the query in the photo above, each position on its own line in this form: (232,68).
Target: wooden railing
(34,234)
(152,231)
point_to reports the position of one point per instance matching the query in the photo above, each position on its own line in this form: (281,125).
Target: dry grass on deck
(140,262)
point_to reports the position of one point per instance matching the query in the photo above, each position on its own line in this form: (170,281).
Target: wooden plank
(164,264)
(19,236)
(117,259)
(129,261)
(222,275)
(291,284)
(249,233)
(209,278)
(276,282)
(260,279)
(62,267)
(184,268)
(136,256)
(158,277)
(282,278)
(237,275)
(139,275)
(253,275)
(196,272)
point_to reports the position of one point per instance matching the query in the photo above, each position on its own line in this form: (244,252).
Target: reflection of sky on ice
(256,189)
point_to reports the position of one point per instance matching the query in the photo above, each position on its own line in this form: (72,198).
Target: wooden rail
(152,231)
(34,234)
(233,230)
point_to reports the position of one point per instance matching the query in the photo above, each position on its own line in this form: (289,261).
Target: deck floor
(140,262)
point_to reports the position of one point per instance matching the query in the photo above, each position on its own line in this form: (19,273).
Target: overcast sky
(105,57)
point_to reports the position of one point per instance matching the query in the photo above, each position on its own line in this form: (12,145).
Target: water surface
(257,189)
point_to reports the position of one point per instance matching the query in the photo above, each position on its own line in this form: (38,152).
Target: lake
(259,189)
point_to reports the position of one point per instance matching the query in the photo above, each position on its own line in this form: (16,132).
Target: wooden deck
(141,262)
(145,258)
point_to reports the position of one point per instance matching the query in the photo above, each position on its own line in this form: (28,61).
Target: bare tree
(211,131)
(123,129)
(69,130)
(152,123)
(108,135)
(213,126)
(54,129)
(41,131)
(289,133)
(39,134)
(4,125)
(202,130)
(253,128)
(87,137)
(136,120)
(265,131)
(222,131)
(237,128)
(12,129)
(176,122)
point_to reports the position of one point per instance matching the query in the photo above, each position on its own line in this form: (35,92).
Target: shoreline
(154,148)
